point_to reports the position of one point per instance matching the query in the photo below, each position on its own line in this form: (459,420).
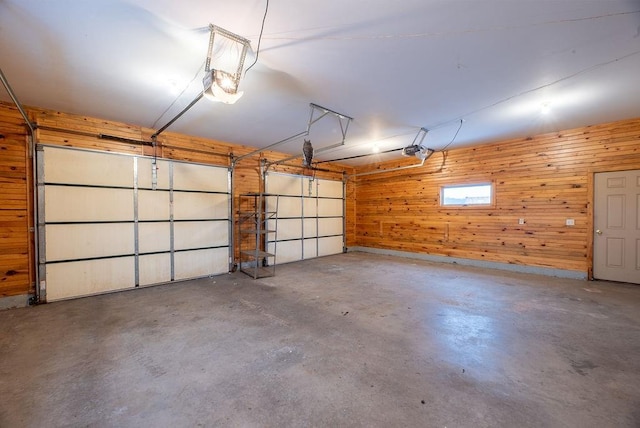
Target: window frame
(491,204)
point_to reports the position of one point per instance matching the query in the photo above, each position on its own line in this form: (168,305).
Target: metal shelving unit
(257,223)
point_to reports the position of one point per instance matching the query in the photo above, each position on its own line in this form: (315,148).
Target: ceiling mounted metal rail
(361,156)
(176,117)
(419,151)
(323,149)
(32,126)
(313,118)
(422,133)
(380,171)
(313,168)
(255,152)
(39,268)
(343,121)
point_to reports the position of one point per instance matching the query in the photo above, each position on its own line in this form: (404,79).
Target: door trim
(591,182)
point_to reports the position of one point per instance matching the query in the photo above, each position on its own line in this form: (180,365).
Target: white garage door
(310,217)
(105,225)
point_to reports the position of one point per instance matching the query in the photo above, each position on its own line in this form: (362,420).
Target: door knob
(599,232)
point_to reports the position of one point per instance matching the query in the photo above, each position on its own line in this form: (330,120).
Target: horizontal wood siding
(544,179)
(15,272)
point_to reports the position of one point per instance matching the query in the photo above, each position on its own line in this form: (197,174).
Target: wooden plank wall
(58,128)
(544,179)
(15,204)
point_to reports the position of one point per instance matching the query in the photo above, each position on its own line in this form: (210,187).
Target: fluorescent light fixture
(223,69)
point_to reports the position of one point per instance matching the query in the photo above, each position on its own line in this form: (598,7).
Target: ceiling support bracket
(317,112)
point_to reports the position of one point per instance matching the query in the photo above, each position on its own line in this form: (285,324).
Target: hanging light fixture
(223,69)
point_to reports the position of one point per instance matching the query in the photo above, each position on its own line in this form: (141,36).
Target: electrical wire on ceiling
(509,98)
(537,88)
(460,118)
(179,95)
(454,32)
(204,65)
(264,18)
(454,137)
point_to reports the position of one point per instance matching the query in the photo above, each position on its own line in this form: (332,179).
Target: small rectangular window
(467,195)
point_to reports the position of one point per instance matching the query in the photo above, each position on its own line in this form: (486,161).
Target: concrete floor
(348,340)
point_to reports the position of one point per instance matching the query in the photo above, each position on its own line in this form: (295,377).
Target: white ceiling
(393,65)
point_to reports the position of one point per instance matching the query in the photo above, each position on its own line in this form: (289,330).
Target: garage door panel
(82,204)
(83,241)
(289,207)
(155,268)
(271,203)
(282,184)
(319,211)
(75,279)
(330,189)
(310,190)
(289,229)
(329,207)
(154,237)
(200,234)
(200,177)
(154,205)
(310,227)
(310,247)
(200,206)
(310,207)
(104,228)
(200,263)
(330,245)
(329,226)
(87,168)
(287,251)
(145,174)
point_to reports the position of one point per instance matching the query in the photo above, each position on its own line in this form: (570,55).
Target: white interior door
(616,248)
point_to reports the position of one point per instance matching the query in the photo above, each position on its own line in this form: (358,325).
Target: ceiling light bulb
(226,81)
(221,86)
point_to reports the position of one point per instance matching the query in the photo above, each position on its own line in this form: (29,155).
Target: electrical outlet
(520,221)
(570,222)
